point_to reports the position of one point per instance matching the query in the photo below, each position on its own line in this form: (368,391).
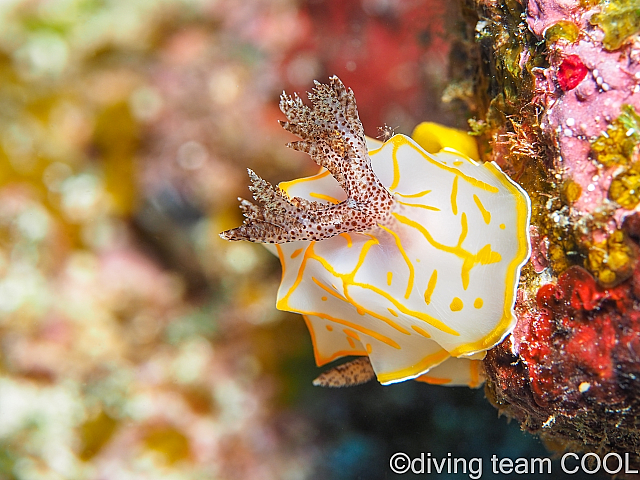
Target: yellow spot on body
(433,380)
(389,278)
(425,317)
(392,312)
(478,303)
(475,374)
(502,226)
(283,303)
(430,287)
(486,215)
(414,195)
(329,327)
(285,186)
(351,333)
(457,163)
(324,299)
(456,304)
(328,290)
(296,253)
(321,196)
(351,342)
(368,347)
(396,167)
(454,196)
(355,326)
(464,229)
(422,332)
(417,205)
(484,256)
(406,259)
(348,237)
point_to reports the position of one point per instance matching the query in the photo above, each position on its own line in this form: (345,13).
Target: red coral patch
(571,72)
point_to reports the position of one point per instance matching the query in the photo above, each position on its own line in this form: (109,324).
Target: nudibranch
(409,258)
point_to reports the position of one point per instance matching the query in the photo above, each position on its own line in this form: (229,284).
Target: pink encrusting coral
(589,96)
(582,91)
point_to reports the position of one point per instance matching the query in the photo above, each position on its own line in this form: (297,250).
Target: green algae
(610,261)
(617,144)
(478,127)
(508,78)
(570,191)
(619,19)
(563,29)
(625,187)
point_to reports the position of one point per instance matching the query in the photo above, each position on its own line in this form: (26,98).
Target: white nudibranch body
(425,282)
(435,282)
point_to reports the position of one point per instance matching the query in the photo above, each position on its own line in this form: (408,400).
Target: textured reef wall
(557,96)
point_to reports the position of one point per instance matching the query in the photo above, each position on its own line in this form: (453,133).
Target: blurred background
(134,342)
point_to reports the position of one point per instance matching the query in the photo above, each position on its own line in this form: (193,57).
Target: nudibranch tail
(355,372)
(332,134)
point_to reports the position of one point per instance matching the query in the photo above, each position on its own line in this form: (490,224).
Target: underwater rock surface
(561,118)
